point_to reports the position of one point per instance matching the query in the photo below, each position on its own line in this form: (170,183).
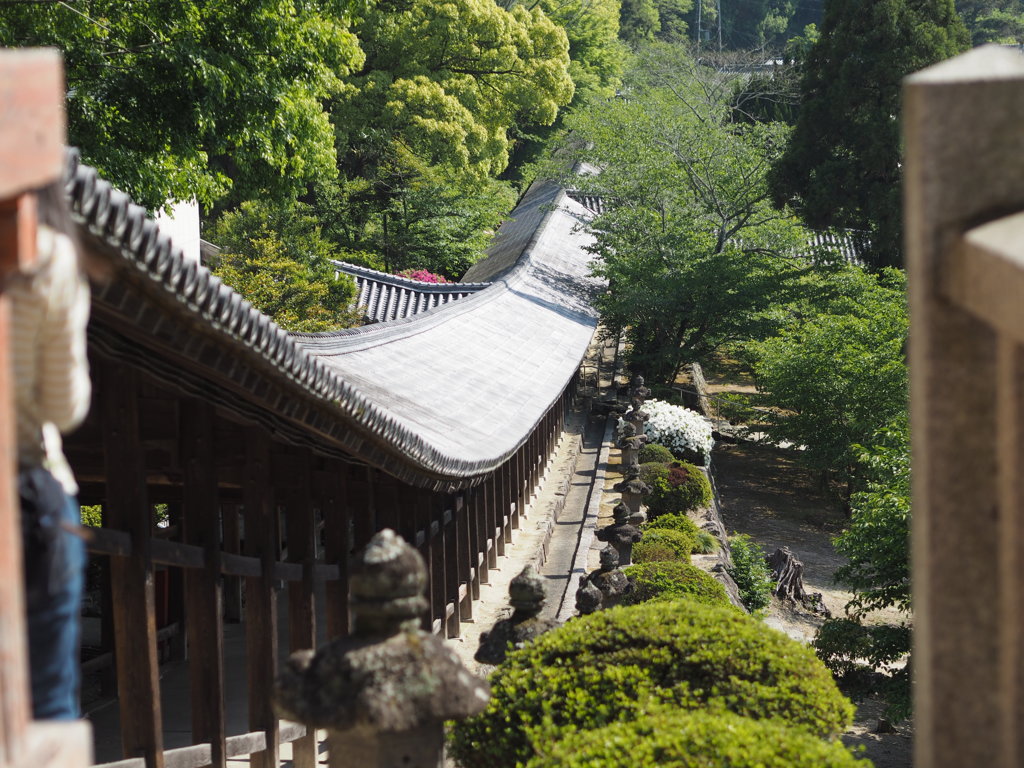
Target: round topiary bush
(616,664)
(671,581)
(675,488)
(695,740)
(677,521)
(663,544)
(654,452)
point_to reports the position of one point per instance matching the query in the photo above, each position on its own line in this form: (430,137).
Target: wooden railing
(964,175)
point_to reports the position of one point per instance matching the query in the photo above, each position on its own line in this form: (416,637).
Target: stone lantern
(526,596)
(633,490)
(383,693)
(631,443)
(621,534)
(609,580)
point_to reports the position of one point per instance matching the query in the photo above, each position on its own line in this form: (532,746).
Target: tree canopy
(693,250)
(195,99)
(841,168)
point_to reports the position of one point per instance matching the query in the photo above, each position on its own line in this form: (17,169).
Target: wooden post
(336,549)
(301,604)
(260,596)
(477,519)
(450,538)
(359,499)
(963,166)
(127,509)
(437,562)
(204,626)
(31,155)
(465,554)
(232,544)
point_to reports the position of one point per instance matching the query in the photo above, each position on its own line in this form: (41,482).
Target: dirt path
(767,495)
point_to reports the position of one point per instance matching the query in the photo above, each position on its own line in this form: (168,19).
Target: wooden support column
(477,519)
(417,504)
(233,545)
(519,479)
(127,509)
(504,481)
(336,548)
(497,523)
(450,534)
(204,627)
(437,561)
(466,561)
(300,530)
(358,499)
(260,596)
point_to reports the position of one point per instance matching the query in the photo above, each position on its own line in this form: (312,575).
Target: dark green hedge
(676,488)
(672,580)
(654,452)
(616,664)
(695,740)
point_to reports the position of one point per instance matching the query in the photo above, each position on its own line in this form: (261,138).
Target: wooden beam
(260,596)
(204,626)
(127,509)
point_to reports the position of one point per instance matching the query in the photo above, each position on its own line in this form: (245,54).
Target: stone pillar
(633,490)
(608,581)
(621,534)
(384,693)
(964,165)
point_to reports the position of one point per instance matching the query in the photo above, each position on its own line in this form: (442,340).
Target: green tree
(876,545)
(183,99)
(278,260)
(842,166)
(835,374)
(693,250)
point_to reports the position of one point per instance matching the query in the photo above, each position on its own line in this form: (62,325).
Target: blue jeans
(54,630)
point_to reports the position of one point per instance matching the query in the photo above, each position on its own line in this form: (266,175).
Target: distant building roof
(386,297)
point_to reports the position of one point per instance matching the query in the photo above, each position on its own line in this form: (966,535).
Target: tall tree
(842,165)
(695,254)
(174,100)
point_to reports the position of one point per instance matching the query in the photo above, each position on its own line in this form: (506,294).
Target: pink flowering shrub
(423,276)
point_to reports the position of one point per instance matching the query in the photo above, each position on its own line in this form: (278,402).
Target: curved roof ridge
(391,279)
(446,396)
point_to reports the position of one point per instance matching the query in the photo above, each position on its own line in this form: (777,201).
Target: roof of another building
(439,398)
(385,297)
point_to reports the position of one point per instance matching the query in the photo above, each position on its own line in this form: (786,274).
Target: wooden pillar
(497,523)
(300,530)
(505,502)
(477,520)
(450,534)
(337,547)
(519,478)
(963,166)
(437,562)
(260,596)
(233,544)
(127,509)
(358,499)
(203,602)
(466,560)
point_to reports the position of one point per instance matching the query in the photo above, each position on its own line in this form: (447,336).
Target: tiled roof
(441,398)
(385,297)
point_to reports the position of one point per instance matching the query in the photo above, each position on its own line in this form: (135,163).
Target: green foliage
(836,372)
(193,99)
(705,543)
(661,544)
(750,572)
(652,452)
(695,740)
(856,652)
(841,168)
(687,213)
(614,665)
(674,522)
(671,580)
(675,488)
(278,260)
(993,21)
(92,515)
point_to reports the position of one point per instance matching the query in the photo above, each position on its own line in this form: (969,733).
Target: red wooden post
(260,596)
(203,599)
(31,155)
(127,509)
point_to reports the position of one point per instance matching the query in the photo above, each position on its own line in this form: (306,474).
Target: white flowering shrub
(682,431)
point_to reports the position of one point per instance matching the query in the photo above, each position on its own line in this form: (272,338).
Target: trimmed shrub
(659,541)
(671,581)
(654,452)
(675,488)
(750,572)
(683,431)
(695,740)
(674,522)
(706,543)
(614,665)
